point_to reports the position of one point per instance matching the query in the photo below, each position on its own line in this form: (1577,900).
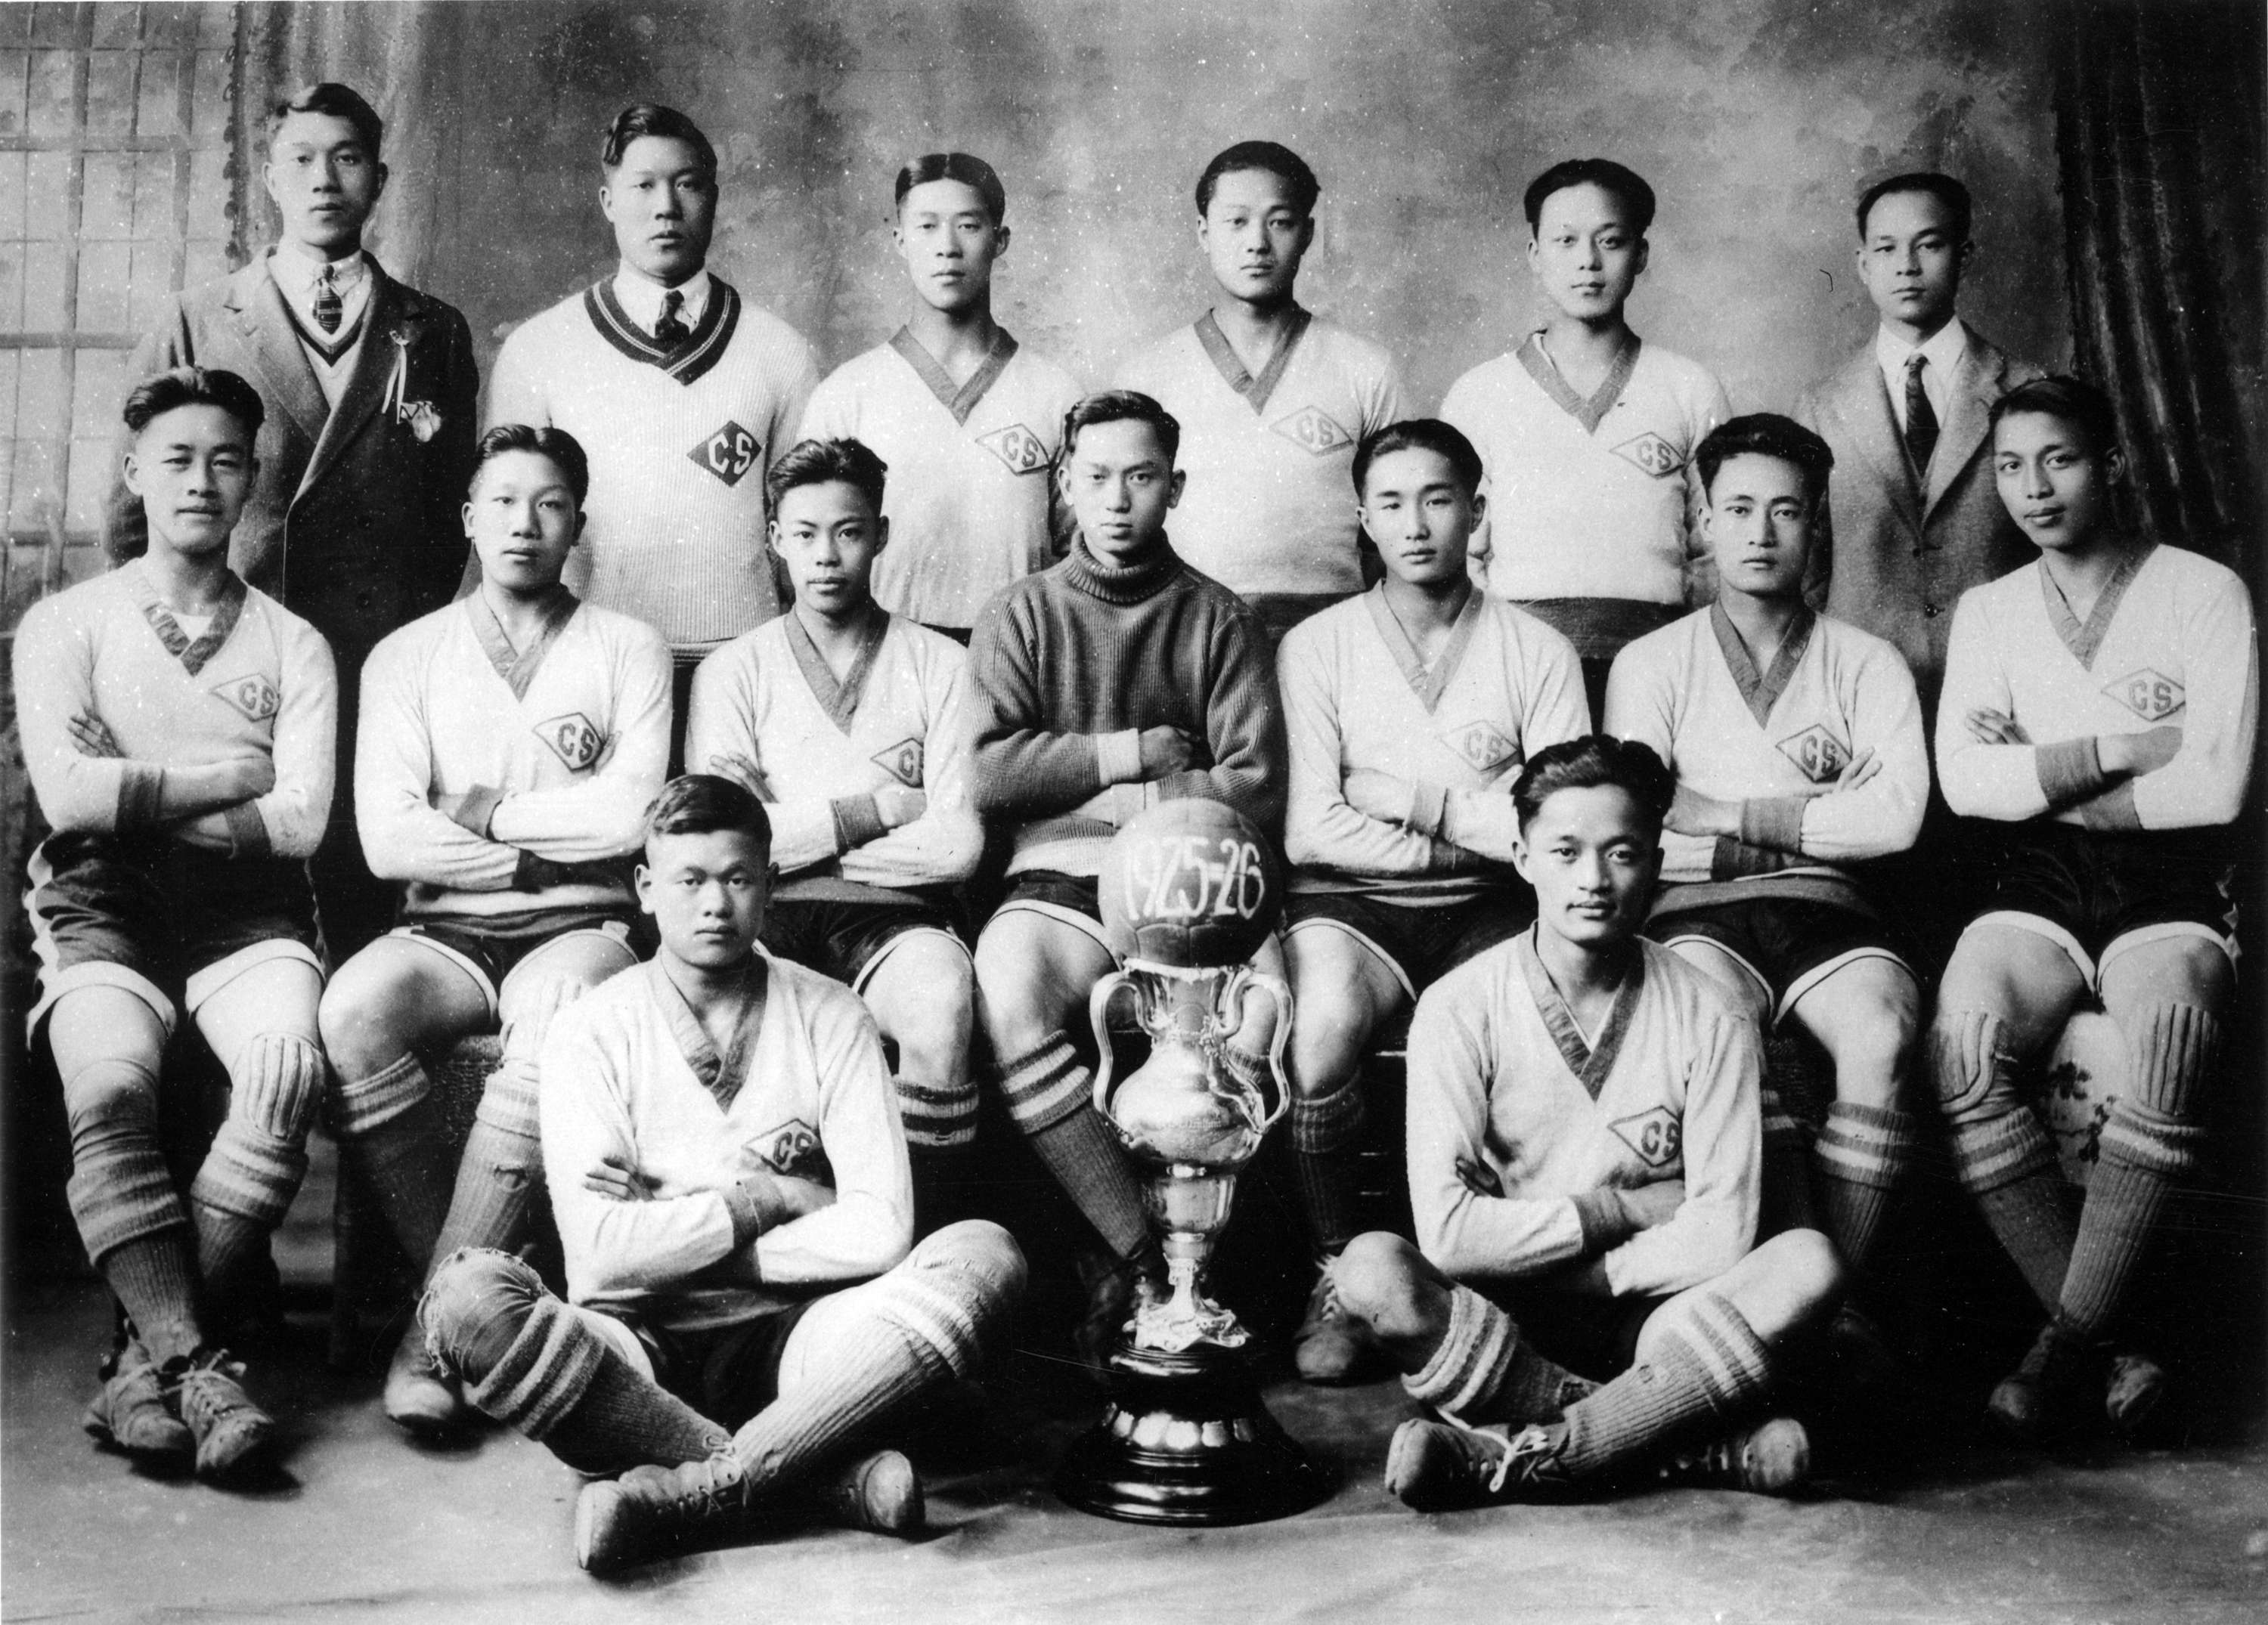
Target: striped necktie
(1921,417)
(330,309)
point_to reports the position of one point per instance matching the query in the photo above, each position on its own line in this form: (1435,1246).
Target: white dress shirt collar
(641,296)
(1942,350)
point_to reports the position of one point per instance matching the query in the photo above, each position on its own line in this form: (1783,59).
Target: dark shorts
(1788,945)
(489,951)
(170,924)
(1075,901)
(2095,893)
(1592,1336)
(1420,943)
(848,939)
(727,1373)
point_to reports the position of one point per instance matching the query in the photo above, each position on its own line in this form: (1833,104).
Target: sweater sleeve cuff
(247,831)
(1605,1224)
(475,810)
(1428,806)
(1773,821)
(1118,756)
(141,790)
(857,820)
(747,1216)
(2069,769)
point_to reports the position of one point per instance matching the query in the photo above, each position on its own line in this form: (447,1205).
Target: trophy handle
(1098,1013)
(1232,999)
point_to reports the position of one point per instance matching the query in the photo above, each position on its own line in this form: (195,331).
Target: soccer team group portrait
(740,743)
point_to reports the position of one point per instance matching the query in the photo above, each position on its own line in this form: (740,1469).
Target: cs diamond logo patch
(1655,1136)
(902,762)
(729,453)
(573,740)
(1313,430)
(2148,695)
(793,1149)
(253,695)
(1653,455)
(1817,754)
(1483,745)
(1017,448)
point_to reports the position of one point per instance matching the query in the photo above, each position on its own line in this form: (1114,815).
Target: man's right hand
(1165,749)
(232,782)
(2137,754)
(898,806)
(1648,1205)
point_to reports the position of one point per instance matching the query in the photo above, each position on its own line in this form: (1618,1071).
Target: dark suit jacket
(1895,555)
(353,521)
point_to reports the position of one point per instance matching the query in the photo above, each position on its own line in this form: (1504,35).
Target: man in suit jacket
(372,413)
(1913,517)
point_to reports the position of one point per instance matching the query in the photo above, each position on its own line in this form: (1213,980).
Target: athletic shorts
(848,939)
(490,950)
(2097,895)
(1420,943)
(170,924)
(1592,1336)
(1075,901)
(1788,945)
(728,1373)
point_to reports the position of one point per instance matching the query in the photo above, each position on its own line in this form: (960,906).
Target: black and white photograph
(1146,811)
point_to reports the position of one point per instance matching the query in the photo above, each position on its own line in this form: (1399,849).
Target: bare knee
(1804,1269)
(1327,1041)
(367,1017)
(1873,1054)
(982,1248)
(1386,1281)
(479,1300)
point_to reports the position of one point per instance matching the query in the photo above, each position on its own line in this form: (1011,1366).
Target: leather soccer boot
(880,1493)
(653,1511)
(419,1397)
(2041,1398)
(232,1433)
(132,1414)
(1434,1468)
(1771,1459)
(1331,1347)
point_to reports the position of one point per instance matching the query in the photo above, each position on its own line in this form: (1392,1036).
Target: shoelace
(705,1489)
(1327,1304)
(209,1391)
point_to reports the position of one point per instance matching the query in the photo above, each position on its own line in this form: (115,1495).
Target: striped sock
(121,1195)
(1323,1133)
(502,1165)
(2000,1150)
(247,1182)
(1046,1089)
(937,1117)
(1484,1371)
(1709,1365)
(1859,1155)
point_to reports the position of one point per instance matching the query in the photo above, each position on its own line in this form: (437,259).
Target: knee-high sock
(1859,1155)
(389,1127)
(1324,1131)
(122,1195)
(937,1117)
(247,1182)
(929,1321)
(1708,1366)
(503,1161)
(1046,1089)
(1786,1196)
(1484,1372)
(2002,1153)
(2151,1140)
(528,1361)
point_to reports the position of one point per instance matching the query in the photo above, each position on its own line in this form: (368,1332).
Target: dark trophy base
(1186,1440)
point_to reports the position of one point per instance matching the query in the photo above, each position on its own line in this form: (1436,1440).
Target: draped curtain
(2158,132)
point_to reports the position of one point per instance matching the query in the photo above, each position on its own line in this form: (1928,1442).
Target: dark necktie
(330,309)
(669,331)
(1921,418)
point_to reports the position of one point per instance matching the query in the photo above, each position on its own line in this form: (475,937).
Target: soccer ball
(1190,885)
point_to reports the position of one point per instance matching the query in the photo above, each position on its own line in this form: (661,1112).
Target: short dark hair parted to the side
(1764,434)
(1626,184)
(828,462)
(650,118)
(338,101)
(1272,157)
(965,167)
(2074,400)
(1421,434)
(701,804)
(563,449)
(195,387)
(1116,405)
(1945,189)
(1589,763)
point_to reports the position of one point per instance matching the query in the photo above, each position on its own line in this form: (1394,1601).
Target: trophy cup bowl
(1188,891)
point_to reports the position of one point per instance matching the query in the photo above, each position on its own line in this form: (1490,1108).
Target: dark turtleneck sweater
(1068,665)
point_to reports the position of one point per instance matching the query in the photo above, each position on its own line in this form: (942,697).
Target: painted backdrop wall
(1757,121)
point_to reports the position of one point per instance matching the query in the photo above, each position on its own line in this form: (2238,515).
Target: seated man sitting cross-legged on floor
(1585,1302)
(510,745)
(1797,743)
(731,1183)
(2100,707)
(178,727)
(1410,711)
